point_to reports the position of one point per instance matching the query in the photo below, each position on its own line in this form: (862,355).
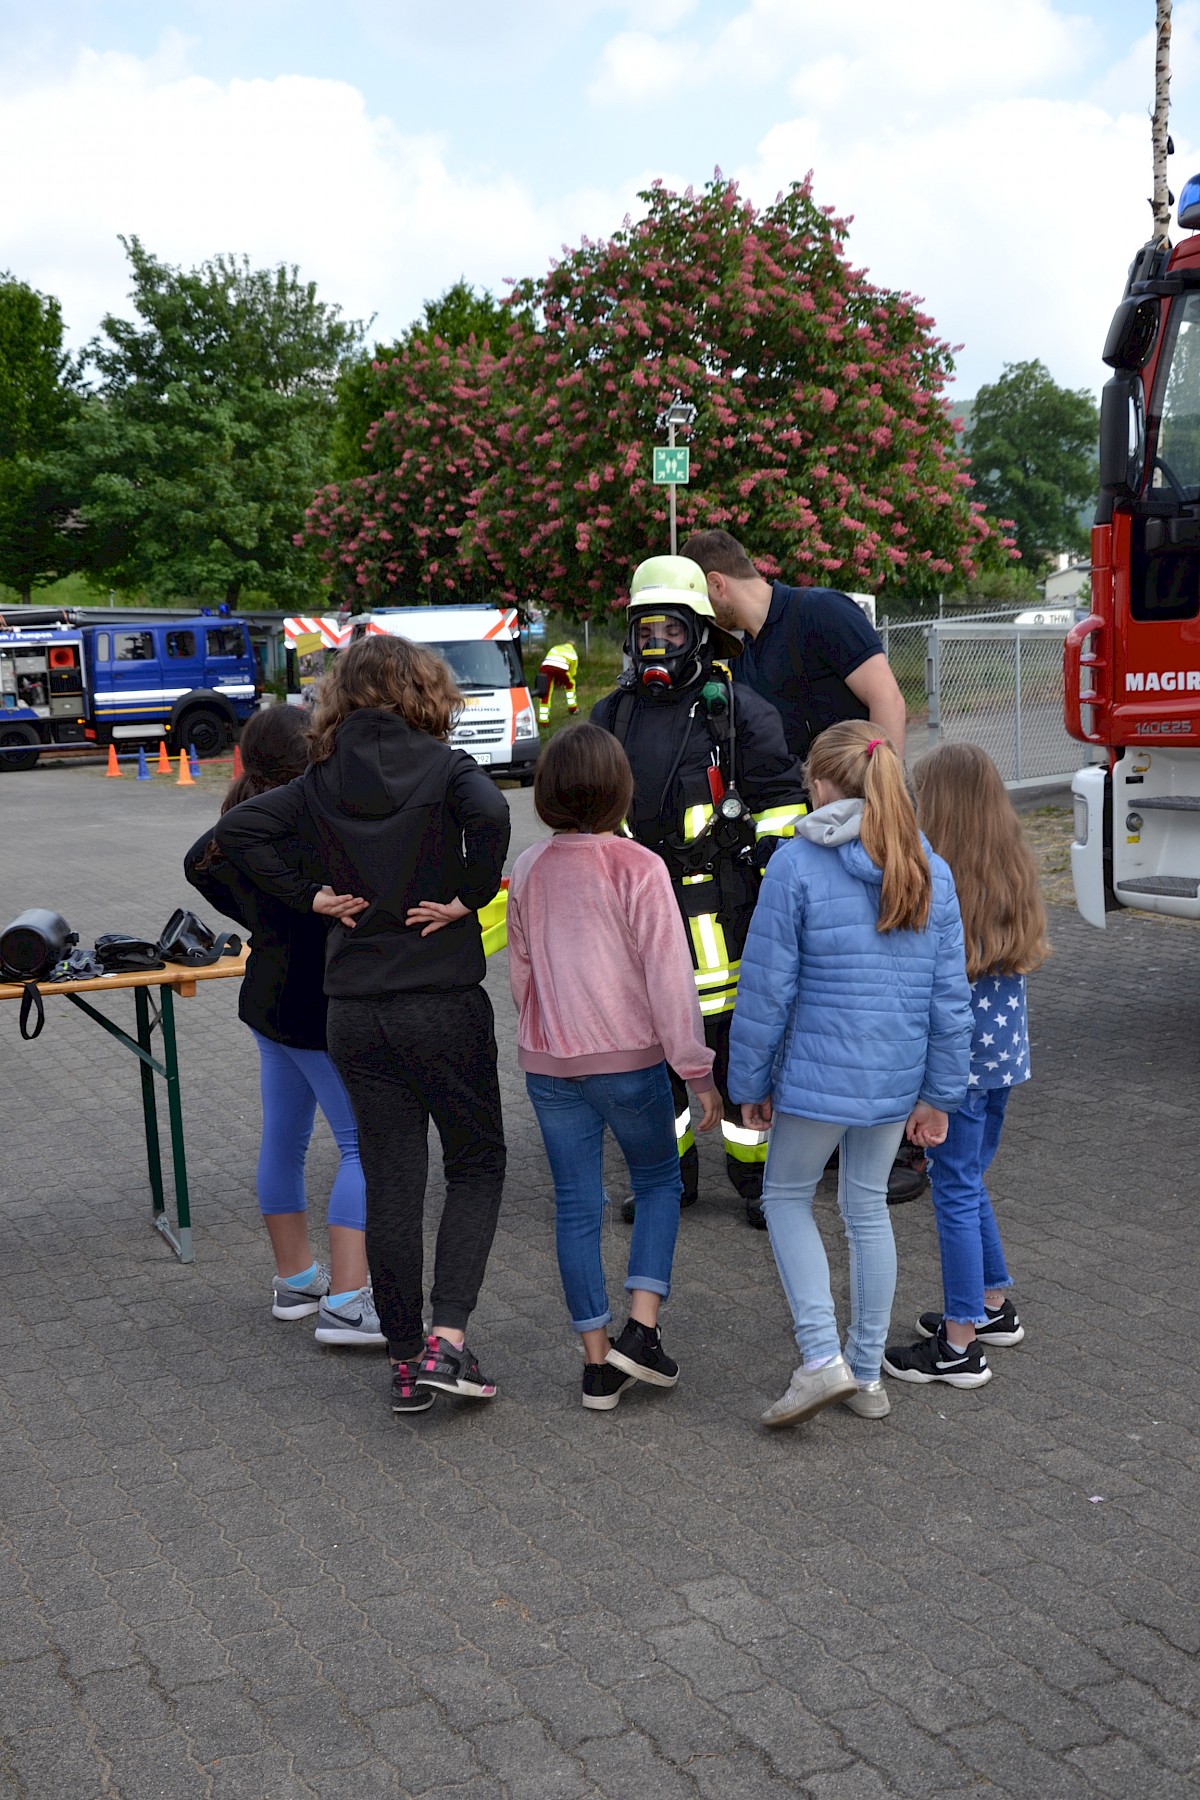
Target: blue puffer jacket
(834,1019)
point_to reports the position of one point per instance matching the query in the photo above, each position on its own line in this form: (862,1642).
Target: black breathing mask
(664,646)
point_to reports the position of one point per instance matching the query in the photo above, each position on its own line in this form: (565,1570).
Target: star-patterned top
(1000,1046)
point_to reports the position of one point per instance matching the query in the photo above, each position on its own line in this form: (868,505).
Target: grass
(599,667)
(1048,832)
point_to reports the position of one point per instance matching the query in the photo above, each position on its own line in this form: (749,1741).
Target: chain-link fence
(992,682)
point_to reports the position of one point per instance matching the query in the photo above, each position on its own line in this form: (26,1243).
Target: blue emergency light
(1189,204)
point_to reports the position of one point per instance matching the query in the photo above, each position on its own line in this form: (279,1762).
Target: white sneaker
(355,1322)
(870,1402)
(810,1390)
(289,1302)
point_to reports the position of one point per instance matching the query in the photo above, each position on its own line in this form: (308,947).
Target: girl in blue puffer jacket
(852,1027)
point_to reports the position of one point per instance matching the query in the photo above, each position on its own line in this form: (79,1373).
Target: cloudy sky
(994,153)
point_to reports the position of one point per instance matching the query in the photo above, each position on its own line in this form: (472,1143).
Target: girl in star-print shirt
(968,818)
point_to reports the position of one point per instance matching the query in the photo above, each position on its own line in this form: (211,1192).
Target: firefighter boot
(907,1179)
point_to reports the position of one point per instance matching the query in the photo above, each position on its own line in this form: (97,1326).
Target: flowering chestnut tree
(821,438)
(394,532)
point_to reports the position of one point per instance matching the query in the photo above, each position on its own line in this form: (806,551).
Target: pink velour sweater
(599,964)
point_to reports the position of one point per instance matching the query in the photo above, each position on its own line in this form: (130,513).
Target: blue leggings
(294,1083)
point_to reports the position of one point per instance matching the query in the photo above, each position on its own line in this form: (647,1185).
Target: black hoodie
(394,817)
(282,995)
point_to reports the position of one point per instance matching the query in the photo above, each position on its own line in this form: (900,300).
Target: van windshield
(475,663)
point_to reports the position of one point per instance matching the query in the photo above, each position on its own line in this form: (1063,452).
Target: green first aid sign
(671,467)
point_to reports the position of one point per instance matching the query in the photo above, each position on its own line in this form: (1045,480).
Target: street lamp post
(678,413)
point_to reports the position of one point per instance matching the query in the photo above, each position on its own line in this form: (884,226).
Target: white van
(498,726)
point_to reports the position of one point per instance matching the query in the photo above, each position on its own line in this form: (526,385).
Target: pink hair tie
(874,745)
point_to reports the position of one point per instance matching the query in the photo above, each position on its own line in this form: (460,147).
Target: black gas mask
(666,648)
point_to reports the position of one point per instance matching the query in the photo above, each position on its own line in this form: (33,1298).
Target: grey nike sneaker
(810,1390)
(289,1302)
(354,1323)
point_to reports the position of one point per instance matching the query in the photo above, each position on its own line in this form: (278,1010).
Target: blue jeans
(638,1110)
(972,1257)
(800,1148)
(293,1084)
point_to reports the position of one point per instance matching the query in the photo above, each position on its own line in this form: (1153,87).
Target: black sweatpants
(406,1058)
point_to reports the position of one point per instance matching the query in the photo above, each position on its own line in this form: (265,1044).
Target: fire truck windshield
(1175,418)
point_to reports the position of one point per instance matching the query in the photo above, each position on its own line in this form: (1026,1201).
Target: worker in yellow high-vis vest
(715,786)
(560,665)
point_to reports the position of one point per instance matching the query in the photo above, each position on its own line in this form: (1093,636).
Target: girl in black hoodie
(283,1003)
(410,838)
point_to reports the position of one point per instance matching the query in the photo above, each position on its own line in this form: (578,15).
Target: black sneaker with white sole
(603,1385)
(1003,1327)
(936,1359)
(639,1352)
(407,1397)
(451,1369)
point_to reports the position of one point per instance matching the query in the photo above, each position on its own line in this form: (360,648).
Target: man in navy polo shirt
(817,658)
(812,652)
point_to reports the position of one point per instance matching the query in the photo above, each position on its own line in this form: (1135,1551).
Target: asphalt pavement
(227,1570)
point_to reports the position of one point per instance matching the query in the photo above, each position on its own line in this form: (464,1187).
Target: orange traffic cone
(186,778)
(238,766)
(164,761)
(114,768)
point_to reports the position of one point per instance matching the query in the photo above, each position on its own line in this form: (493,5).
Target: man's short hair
(718,553)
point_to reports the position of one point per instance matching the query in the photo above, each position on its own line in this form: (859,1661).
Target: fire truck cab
(1132,665)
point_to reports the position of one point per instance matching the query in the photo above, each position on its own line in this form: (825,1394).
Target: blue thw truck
(192,681)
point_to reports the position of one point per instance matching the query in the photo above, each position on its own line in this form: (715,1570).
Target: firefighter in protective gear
(559,667)
(715,786)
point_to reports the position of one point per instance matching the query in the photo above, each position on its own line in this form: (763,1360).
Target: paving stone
(913,1761)
(1125,1771)
(527,1760)
(252,1574)
(1000,1752)
(55,1761)
(414,1741)
(158,1768)
(1132,1709)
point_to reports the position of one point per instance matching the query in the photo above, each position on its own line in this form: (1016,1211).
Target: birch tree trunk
(1161,203)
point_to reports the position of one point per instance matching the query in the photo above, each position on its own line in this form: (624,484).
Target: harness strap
(31,1001)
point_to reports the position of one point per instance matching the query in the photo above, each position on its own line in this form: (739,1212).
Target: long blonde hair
(966,814)
(388,672)
(861,765)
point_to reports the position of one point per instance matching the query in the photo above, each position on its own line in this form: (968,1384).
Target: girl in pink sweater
(603,982)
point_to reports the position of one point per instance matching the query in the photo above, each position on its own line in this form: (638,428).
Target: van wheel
(204,731)
(13,758)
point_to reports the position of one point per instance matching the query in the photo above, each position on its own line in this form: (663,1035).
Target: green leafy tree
(1032,446)
(820,438)
(210,425)
(37,399)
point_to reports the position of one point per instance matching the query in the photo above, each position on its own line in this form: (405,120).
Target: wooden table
(171,979)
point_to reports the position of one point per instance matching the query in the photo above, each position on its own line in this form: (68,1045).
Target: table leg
(175,1109)
(141,1005)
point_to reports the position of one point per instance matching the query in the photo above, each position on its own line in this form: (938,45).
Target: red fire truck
(1132,666)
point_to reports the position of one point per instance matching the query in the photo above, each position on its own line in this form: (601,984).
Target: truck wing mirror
(1122,436)
(1132,334)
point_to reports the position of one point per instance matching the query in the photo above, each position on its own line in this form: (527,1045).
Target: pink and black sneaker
(448,1369)
(407,1397)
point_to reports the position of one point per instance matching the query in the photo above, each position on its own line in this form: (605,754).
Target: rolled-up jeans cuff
(596,1324)
(647,1284)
